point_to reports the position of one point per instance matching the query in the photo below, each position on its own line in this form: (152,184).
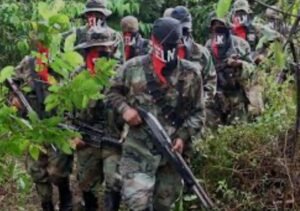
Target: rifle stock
(164,144)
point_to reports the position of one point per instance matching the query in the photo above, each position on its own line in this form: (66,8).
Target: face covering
(94,20)
(43,71)
(240,22)
(129,43)
(91,57)
(220,42)
(164,59)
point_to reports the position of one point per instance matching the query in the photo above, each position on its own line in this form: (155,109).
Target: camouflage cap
(97,6)
(168,12)
(129,24)
(97,36)
(241,5)
(271,13)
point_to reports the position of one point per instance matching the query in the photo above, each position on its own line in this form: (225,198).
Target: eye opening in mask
(221,29)
(240,16)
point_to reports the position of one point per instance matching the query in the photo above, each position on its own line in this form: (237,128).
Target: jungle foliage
(244,166)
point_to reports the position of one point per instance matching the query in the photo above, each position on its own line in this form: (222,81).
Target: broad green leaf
(73,58)
(33,117)
(44,11)
(58,5)
(59,22)
(223,8)
(34,151)
(69,42)
(6,73)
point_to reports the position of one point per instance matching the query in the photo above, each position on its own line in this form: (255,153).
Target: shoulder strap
(171,114)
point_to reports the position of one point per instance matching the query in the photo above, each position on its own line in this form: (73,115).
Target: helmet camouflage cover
(98,36)
(129,24)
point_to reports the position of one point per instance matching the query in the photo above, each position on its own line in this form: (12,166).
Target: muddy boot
(112,200)
(47,206)
(90,201)
(65,195)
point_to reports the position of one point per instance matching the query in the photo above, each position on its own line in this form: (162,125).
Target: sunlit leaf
(6,73)
(223,8)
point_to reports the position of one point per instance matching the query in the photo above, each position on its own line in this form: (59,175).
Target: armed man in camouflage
(243,26)
(231,56)
(53,166)
(98,164)
(134,43)
(274,20)
(198,54)
(172,90)
(95,14)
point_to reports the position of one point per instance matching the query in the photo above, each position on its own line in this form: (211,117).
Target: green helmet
(97,6)
(129,24)
(241,5)
(98,36)
(271,13)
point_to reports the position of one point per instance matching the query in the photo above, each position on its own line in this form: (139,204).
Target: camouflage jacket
(100,114)
(242,49)
(130,89)
(81,38)
(33,88)
(201,55)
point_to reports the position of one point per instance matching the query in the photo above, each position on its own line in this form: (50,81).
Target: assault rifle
(95,137)
(164,144)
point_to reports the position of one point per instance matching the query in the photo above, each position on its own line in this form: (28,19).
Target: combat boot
(112,200)
(65,195)
(47,206)
(90,201)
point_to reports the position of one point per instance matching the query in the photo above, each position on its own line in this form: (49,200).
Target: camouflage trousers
(49,169)
(148,181)
(96,165)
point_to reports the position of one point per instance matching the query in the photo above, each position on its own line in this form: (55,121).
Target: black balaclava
(166,35)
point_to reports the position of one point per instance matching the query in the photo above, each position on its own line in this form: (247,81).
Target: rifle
(95,137)
(164,144)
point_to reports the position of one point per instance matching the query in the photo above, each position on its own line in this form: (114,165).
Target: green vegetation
(244,167)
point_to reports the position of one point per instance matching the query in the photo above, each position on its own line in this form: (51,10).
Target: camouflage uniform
(147,177)
(256,33)
(96,6)
(52,167)
(231,102)
(172,90)
(134,43)
(98,164)
(275,21)
(199,55)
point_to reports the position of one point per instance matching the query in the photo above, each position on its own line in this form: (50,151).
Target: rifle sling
(171,114)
